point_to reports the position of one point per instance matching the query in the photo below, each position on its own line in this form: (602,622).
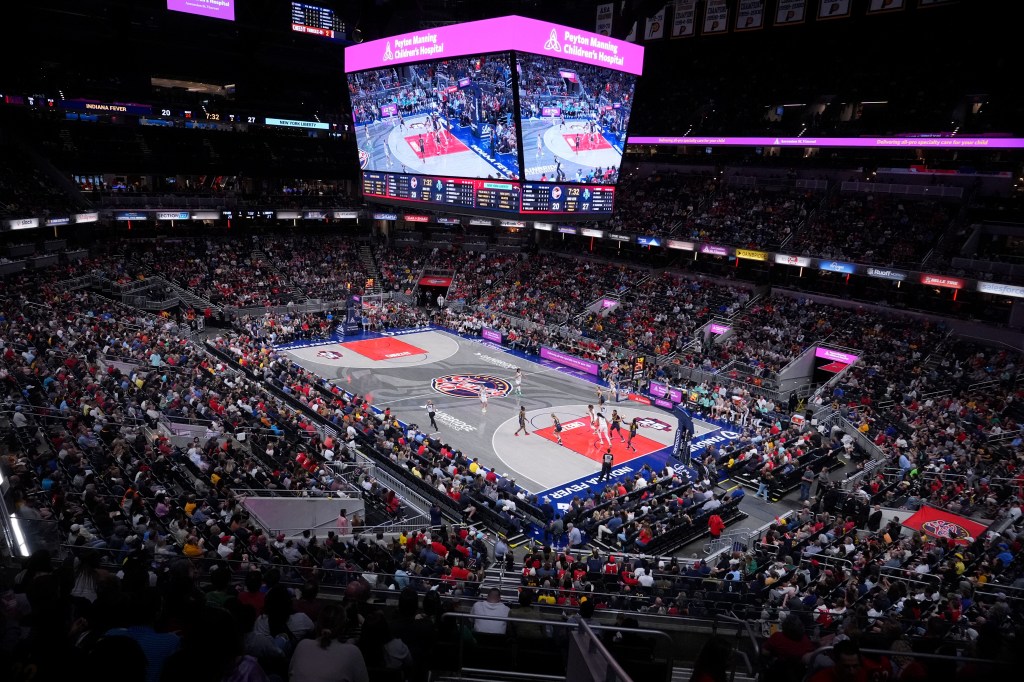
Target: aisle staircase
(295,294)
(370,268)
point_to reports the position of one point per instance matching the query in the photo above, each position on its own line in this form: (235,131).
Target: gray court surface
(406,383)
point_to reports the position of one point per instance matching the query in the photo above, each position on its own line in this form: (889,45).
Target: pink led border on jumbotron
(876,142)
(497,35)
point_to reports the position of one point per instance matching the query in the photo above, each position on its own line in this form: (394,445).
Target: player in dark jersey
(633,427)
(617,425)
(558,429)
(522,421)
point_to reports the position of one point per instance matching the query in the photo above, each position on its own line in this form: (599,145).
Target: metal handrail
(912,654)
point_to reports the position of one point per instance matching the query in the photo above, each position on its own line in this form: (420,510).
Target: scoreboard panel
(568,198)
(317,21)
(463,193)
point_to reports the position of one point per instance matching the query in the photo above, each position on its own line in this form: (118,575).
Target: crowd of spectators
(749,218)
(875,229)
(325,268)
(25,191)
(550,289)
(656,204)
(661,314)
(217,270)
(80,457)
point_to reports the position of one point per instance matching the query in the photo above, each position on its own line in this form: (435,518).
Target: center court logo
(468,385)
(944,529)
(652,423)
(552,43)
(364,158)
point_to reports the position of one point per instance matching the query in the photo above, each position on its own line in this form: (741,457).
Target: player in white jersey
(592,417)
(603,436)
(518,381)
(540,145)
(483,398)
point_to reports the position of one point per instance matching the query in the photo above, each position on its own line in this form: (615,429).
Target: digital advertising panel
(453,117)
(574,119)
(442,103)
(215,9)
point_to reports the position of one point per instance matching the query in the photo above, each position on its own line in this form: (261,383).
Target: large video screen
(215,9)
(439,119)
(452,117)
(574,119)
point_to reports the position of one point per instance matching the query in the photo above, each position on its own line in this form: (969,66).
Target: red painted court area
(586,143)
(385,348)
(580,438)
(449,145)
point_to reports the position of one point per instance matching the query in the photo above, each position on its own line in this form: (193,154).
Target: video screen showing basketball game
(574,119)
(453,117)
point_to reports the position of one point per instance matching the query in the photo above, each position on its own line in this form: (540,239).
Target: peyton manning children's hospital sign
(497,35)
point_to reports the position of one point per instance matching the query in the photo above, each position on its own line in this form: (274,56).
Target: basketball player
(601,398)
(431,412)
(540,145)
(577,145)
(602,429)
(592,417)
(633,427)
(387,155)
(519,382)
(558,429)
(522,421)
(423,148)
(606,465)
(437,142)
(483,398)
(617,425)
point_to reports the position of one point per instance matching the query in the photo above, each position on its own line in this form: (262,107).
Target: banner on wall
(837,266)
(684,21)
(716,18)
(749,254)
(795,261)
(790,12)
(604,19)
(750,15)
(1001,289)
(942,281)
(833,9)
(655,26)
(887,273)
(881,6)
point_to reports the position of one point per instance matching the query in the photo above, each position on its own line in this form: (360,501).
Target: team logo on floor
(364,158)
(329,354)
(946,530)
(652,423)
(468,385)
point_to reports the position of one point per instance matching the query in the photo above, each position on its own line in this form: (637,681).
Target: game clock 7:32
(567,198)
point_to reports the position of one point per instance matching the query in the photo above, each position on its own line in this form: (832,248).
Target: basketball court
(558,144)
(396,148)
(404,371)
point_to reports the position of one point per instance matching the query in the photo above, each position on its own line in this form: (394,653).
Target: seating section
(875,229)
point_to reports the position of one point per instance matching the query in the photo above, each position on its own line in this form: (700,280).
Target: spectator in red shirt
(785,649)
